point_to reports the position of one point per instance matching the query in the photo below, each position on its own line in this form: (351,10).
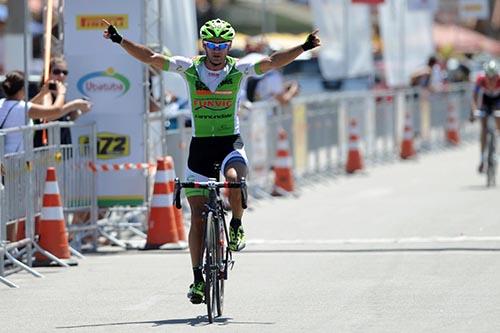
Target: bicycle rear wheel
(210,263)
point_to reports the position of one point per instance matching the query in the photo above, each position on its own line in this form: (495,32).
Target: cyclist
(213,81)
(486,98)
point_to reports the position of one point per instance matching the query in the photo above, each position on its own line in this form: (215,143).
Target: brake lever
(243,193)
(177,191)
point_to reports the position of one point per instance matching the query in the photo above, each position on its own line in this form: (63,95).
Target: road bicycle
(491,143)
(216,257)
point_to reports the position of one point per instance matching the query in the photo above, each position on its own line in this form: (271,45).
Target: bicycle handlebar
(210,185)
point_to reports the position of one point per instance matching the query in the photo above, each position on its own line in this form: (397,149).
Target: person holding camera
(12,108)
(47,96)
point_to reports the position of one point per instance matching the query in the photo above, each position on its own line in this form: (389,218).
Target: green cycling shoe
(236,238)
(196,292)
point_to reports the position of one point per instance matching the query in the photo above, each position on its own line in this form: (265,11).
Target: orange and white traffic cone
(407,149)
(354,157)
(21,228)
(162,229)
(179,219)
(452,128)
(283,174)
(53,236)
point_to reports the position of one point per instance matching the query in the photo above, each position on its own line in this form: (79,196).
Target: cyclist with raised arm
(213,81)
(486,99)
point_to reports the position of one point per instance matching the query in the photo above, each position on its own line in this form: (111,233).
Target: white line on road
(407,240)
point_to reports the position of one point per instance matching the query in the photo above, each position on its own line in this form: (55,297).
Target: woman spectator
(58,69)
(12,108)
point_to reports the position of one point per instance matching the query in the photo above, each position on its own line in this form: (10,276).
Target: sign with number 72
(109,145)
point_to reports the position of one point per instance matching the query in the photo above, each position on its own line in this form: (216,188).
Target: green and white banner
(345,30)
(113,81)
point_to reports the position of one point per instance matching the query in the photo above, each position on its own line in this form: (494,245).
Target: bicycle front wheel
(221,272)
(210,267)
(492,163)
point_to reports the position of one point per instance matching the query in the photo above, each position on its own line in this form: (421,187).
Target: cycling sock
(235,223)
(198,275)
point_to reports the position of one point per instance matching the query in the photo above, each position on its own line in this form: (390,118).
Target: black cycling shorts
(490,104)
(204,152)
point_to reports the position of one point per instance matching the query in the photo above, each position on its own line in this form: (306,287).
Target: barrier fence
(22,189)
(317,128)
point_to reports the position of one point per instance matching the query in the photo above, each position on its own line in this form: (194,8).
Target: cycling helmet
(491,68)
(217,29)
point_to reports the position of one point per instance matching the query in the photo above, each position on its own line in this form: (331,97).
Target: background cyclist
(214,81)
(486,98)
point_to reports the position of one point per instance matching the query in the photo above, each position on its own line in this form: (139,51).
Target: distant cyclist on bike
(486,98)
(214,82)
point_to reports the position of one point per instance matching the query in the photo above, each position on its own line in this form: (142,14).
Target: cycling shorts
(204,152)
(490,104)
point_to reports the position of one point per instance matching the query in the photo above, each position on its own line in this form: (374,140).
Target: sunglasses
(58,71)
(216,46)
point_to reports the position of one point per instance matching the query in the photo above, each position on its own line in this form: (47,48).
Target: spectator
(58,73)
(12,108)
(428,77)
(457,71)
(271,85)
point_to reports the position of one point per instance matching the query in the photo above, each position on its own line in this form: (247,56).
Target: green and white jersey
(213,95)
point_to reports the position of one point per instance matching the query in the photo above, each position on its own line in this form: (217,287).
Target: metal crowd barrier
(317,127)
(21,193)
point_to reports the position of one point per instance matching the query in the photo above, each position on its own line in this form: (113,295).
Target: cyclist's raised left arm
(283,58)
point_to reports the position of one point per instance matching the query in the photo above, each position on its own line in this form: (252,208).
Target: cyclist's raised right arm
(144,54)
(138,51)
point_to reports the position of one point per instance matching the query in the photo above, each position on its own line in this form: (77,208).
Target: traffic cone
(179,219)
(283,175)
(452,128)
(21,228)
(162,229)
(53,236)
(354,158)
(407,149)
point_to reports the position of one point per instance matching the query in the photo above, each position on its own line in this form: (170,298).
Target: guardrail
(317,127)
(21,191)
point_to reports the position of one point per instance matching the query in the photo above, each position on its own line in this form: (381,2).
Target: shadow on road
(480,188)
(197,321)
(381,250)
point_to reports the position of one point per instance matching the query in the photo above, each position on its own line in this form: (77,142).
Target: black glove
(309,44)
(114,35)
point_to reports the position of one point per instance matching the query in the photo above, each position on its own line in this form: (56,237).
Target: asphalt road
(405,247)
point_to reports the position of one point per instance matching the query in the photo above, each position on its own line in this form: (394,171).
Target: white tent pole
(48,39)
(26,55)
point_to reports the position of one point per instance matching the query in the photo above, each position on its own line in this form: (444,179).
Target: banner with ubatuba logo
(104,73)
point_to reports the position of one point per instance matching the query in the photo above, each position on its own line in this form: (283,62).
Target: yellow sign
(300,136)
(109,145)
(94,22)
